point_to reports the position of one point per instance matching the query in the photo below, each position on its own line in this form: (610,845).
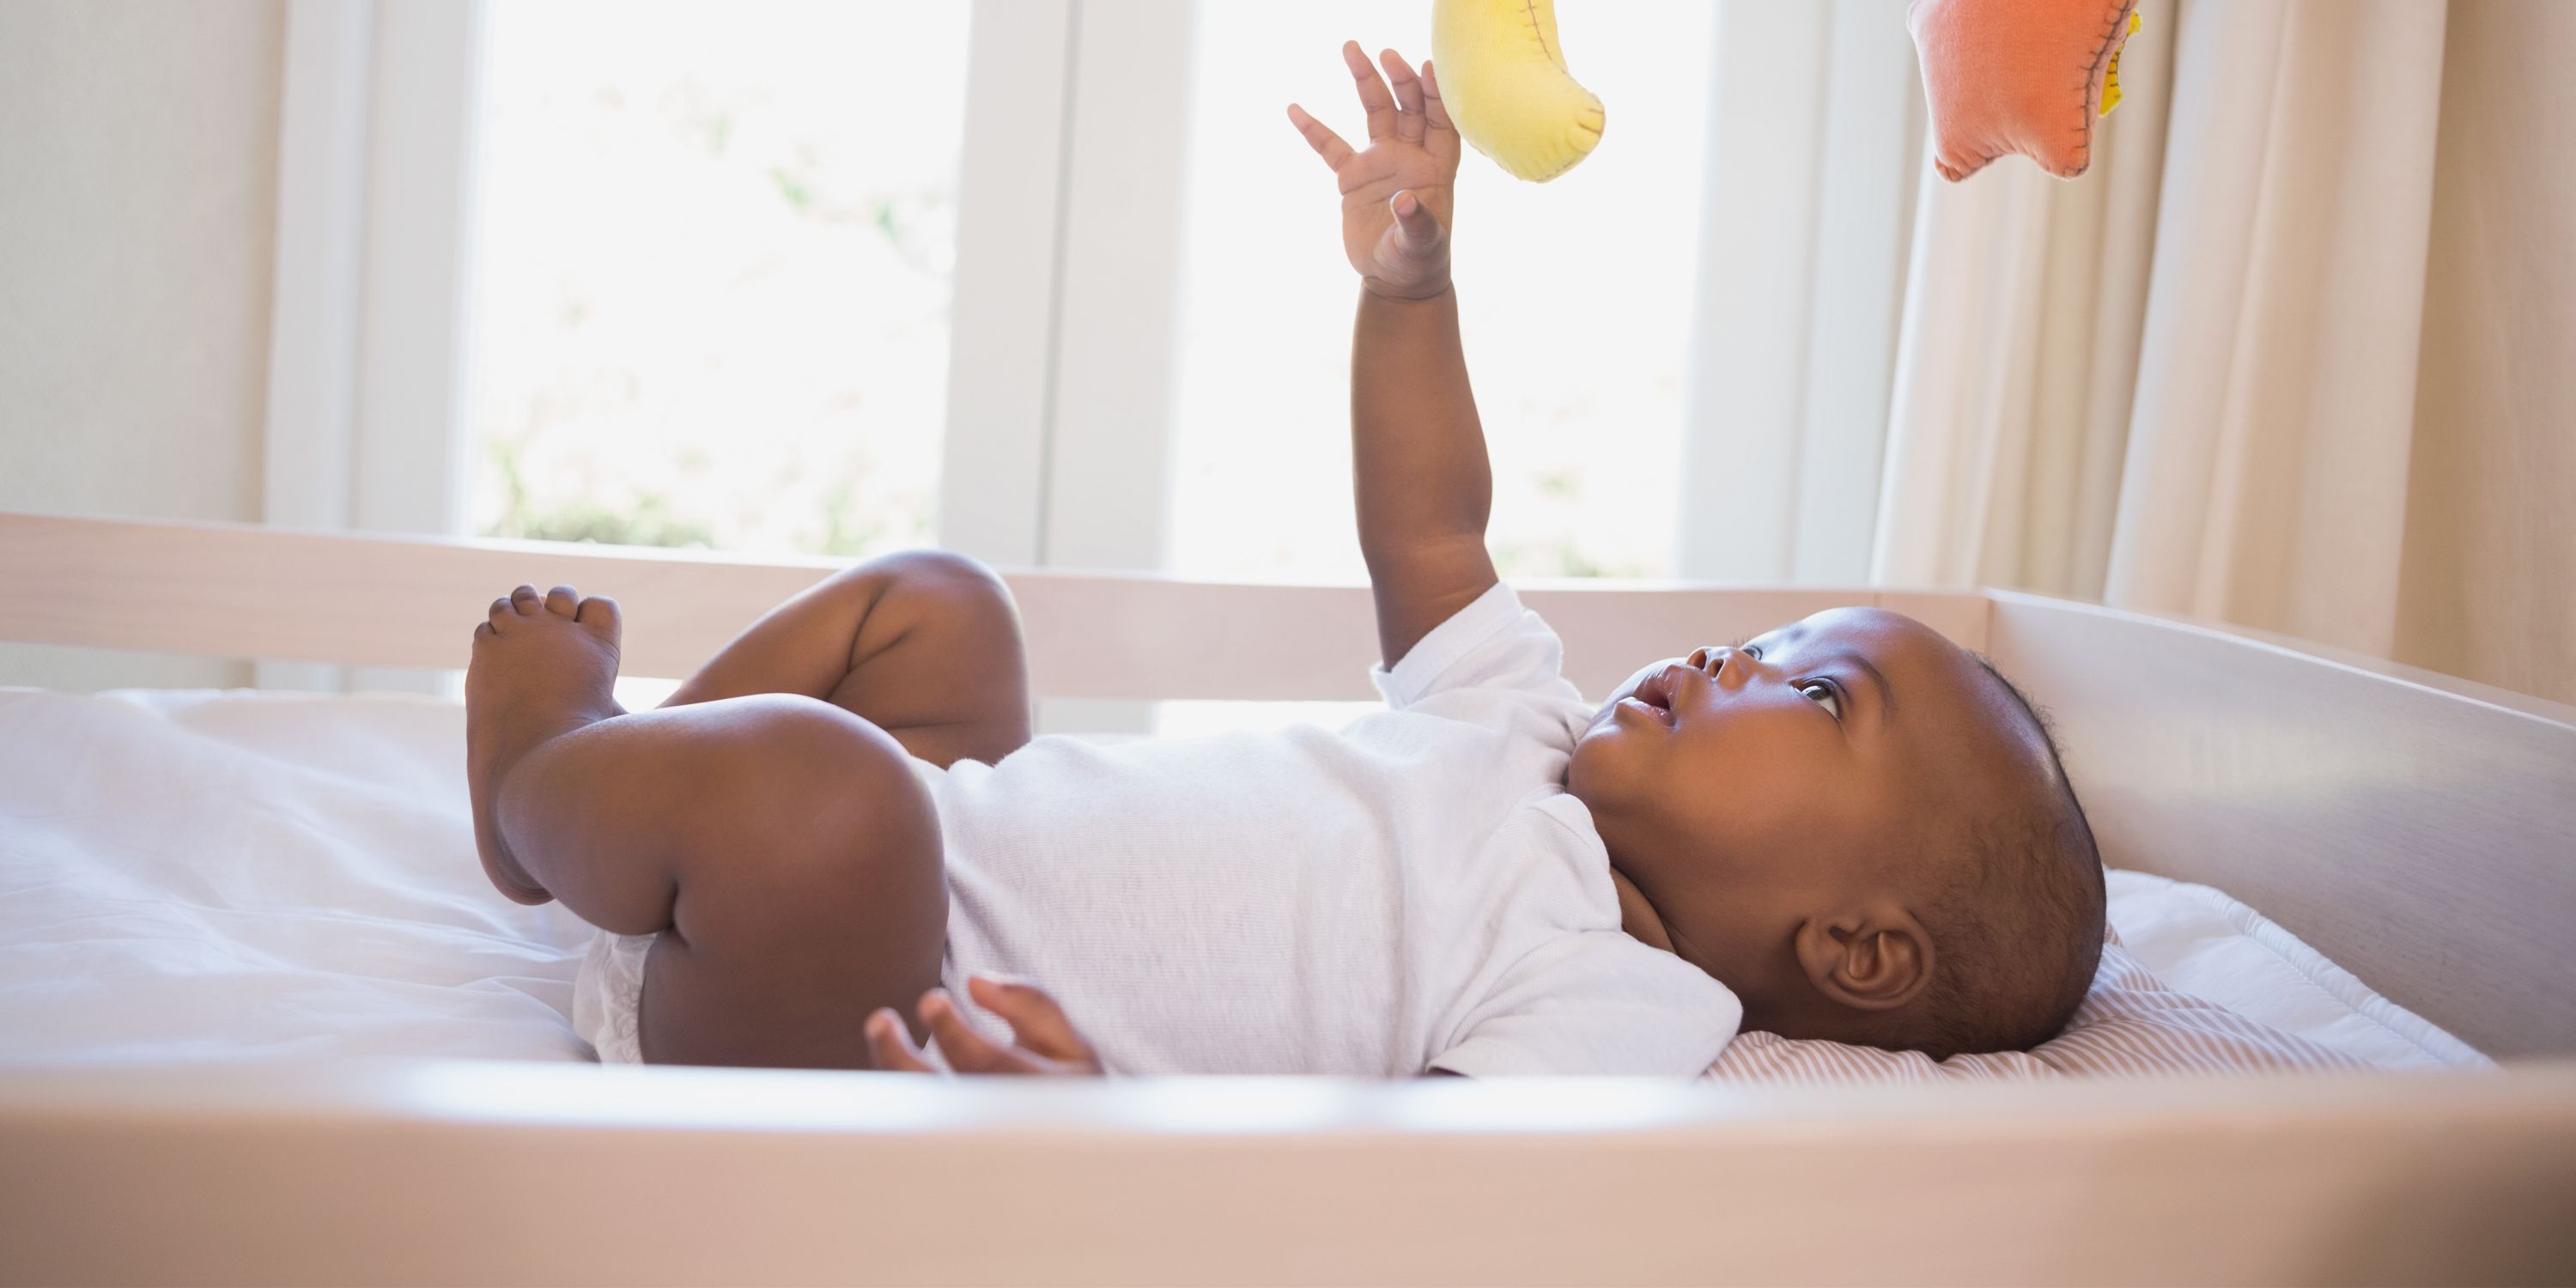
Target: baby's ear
(1874,958)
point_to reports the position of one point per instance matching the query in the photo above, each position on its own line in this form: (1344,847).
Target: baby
(1844,828)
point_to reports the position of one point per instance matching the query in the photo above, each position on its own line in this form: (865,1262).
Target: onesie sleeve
(1491,645)
(1596,1002)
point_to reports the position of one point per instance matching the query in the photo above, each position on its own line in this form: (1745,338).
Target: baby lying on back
(837,842)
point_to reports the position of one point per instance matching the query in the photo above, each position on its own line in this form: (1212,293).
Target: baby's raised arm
(1417,450)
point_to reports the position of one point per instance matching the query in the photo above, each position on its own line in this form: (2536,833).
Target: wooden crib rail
(2419,830)
(242,590)
(538,1173)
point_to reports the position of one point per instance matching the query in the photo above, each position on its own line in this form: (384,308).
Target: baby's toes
(527,600)
(600,614)
(503,613)
(563,601)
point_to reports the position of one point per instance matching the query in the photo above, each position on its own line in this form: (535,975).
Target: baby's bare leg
(778,845)
(925,645)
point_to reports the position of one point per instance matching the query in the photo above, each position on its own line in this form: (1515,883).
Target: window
(712,254)
(1578,353)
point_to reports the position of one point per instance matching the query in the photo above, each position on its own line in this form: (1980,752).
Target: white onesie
(1416,891)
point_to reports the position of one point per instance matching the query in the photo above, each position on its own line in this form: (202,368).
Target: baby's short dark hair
(2017,929)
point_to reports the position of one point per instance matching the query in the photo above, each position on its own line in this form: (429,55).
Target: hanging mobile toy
(2000,76)
(2026,76)
(1503,79)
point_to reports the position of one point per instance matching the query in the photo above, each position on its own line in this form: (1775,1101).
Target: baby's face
(1744,790)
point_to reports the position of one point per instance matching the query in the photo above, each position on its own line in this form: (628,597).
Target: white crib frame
(2418,829)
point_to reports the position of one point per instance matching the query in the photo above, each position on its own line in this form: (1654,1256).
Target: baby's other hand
(1043,1041)
(1396,194)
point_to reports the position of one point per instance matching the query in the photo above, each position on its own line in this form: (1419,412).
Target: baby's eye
(1822,691)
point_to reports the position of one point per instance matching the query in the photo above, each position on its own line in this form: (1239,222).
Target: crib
(2309,784)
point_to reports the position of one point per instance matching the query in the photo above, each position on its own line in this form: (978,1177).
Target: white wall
(138,179)
(2489,590)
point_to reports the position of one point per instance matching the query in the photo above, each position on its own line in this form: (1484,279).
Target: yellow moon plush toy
(1503,79)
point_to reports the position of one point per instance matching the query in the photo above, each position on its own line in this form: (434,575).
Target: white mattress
(239,875)
(243,875)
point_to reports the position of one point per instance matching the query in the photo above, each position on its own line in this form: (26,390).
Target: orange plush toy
(2026,76)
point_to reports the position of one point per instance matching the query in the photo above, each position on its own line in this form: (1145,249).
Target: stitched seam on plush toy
(1529,10)
(2118,18)
(1578,157)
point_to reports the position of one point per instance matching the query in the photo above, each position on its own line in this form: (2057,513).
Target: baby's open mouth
(1655,696)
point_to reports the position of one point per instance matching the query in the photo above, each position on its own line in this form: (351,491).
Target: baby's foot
(543,666)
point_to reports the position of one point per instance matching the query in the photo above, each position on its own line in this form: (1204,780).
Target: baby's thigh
(813,893)
(939,661)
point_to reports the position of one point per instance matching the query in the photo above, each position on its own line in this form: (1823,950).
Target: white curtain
(2185,382)
(2490,531)
(2269,444)
(1815,130)
(2023,315)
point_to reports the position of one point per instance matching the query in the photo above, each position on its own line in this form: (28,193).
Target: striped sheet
(2130,1025)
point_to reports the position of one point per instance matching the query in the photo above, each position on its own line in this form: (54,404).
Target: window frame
(1070,176)
(367,351)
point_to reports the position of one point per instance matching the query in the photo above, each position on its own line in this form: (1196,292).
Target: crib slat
(242,590)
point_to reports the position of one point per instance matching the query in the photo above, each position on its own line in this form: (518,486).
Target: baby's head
(1856,825)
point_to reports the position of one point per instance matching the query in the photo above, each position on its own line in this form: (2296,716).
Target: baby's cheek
(1590,771)
(1613,769)
(1756,797)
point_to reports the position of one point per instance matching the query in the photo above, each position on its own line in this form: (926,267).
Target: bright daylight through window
(1575,298)
(713,255)
(713,276)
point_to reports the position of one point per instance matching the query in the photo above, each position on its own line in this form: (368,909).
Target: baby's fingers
(1434,110)
(1372,89)
(1320,137)
(965,1050)
(1442,139)
(890,1048)
(1037,1023)
(1408,95)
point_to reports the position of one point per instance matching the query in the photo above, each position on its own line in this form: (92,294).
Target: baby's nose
(1714,658)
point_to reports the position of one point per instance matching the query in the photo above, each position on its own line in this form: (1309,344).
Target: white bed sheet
(210,875)
(206,874)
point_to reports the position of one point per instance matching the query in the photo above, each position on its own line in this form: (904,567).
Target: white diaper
(608,994)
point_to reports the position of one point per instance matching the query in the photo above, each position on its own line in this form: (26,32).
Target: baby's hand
(1395,195)
(1042,1040)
